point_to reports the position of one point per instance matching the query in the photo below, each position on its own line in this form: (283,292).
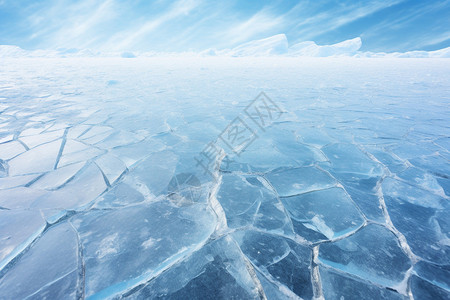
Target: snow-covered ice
(344,195)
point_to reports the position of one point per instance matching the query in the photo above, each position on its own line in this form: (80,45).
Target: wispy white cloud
(407,17)
(260,23)
(128,38)
(406,22)
(179,25)
(313,25)
(427,41)
(66,24)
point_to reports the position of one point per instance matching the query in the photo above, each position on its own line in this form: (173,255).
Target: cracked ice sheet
(116,139)
(372,253)
(132,245)
(36,275)
(18,229)
(328,212)
(279,260)
(37,160)
(241,199)
(218,270)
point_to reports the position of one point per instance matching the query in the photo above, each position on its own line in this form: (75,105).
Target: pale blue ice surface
(345,195)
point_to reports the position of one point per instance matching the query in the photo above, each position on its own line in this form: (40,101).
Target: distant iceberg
(442,53)
(347,48)
(276,45)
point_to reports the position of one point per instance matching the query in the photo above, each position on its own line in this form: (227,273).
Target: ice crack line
(404,289)
(61,149)
(315,274)
(221,226)
(82,266)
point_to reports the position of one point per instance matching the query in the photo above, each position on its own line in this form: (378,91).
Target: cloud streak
(182,25)
(129,38)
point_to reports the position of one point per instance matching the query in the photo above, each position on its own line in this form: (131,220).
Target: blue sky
(182,25)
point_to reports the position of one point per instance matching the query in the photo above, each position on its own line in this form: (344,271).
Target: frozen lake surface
(160,178)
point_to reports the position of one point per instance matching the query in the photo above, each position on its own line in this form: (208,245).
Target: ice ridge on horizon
(276,45)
